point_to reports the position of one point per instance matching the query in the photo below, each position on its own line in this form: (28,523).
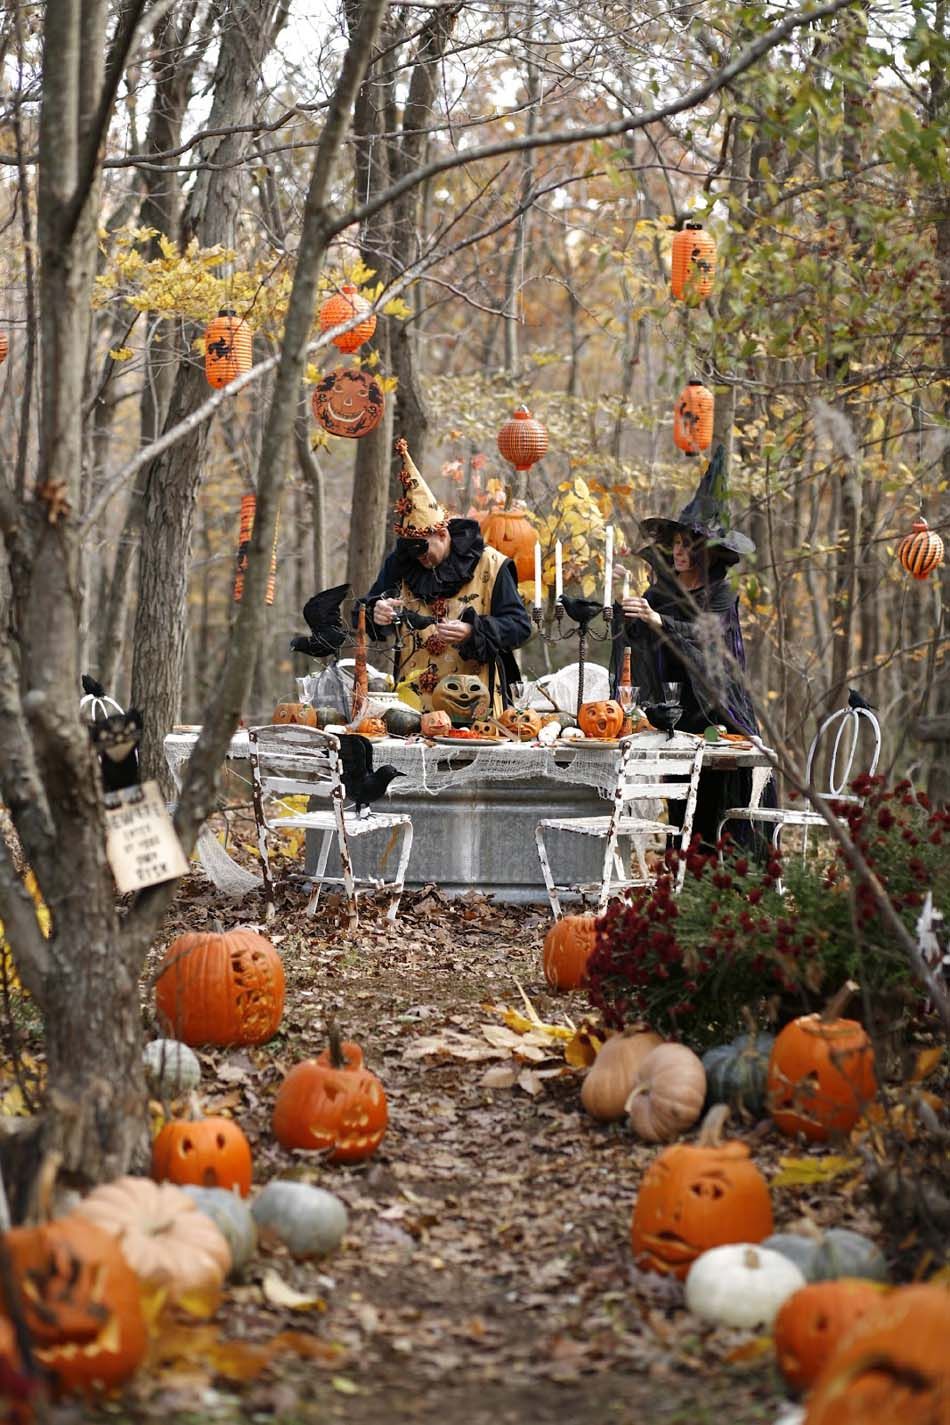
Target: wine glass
(672,692)
(628,696)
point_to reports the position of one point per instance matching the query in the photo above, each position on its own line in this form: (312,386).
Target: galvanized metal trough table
(474,809)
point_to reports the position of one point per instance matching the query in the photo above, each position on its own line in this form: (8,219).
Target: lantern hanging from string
(245,531)
(342,307)
(228,344)
(693,418)
(694,264)
(348,402)
(921,551)
(513,534)
(522,440)
(4,346)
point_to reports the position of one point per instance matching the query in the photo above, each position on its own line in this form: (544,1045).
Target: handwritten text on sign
(141,844)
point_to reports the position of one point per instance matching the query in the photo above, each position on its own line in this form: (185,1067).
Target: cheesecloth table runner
(432,768)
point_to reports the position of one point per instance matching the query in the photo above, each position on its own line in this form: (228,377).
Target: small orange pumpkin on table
(294,714)
(821,1073)
(332,1104)
(522,723)
(602,720)
(696,1196)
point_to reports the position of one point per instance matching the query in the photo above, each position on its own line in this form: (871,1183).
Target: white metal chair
(644,773)
(290,761)
(841,731)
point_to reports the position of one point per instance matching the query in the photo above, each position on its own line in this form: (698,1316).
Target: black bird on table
(856,700)
(327,634)
(359,780)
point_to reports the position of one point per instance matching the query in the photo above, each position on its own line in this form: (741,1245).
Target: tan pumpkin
(523,723)
(668,1094)
(602,719)
(435,724)
(164,1238)
(297,714)
(614,1072)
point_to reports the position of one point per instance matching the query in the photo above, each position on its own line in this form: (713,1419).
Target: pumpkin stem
(710,1132)
(752,1258)
(836,1004)
(337,1057)
(635,1093)
(750,1024)
(217,927)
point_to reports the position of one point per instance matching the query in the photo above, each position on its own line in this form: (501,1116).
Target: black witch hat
(706,517)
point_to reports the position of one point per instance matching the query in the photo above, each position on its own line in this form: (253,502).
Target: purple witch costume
(700,643)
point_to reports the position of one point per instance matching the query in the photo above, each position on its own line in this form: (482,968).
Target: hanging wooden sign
(141,845)
(348,402)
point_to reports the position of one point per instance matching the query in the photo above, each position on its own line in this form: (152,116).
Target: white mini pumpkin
(230,1213)
(309,1221)
(740,1285)
(171,1068)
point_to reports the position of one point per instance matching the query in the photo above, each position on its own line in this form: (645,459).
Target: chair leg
(777,843)
(404,853)
(610,855)
(322,857)
(546,873)
(270,899)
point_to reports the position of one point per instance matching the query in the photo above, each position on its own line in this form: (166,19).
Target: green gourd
(325,716)
(839,1252)
(402,721)
(231,1215)
(736,1073)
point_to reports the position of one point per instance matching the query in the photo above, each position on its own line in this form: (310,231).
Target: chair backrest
(645,771)
(287,760)
(838,739)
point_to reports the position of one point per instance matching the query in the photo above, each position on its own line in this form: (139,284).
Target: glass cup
(672,691)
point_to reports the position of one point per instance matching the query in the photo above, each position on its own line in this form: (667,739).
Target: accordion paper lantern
(694,264)
(522,440)
(228,347)
(921,551)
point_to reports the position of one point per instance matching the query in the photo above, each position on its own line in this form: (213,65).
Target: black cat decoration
(115,738)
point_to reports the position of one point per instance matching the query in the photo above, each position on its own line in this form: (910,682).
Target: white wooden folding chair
(644,773)
(290,761)
(837,740)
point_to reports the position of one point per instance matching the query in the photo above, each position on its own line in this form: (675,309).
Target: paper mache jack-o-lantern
(523,723)
(601,719)
(486,728)
(348,402)
(435,724)
(461,695)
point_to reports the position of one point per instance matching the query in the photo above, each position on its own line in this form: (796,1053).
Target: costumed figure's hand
(453,630)
(383,611)
(636,607)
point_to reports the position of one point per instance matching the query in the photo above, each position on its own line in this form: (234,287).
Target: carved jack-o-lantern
(523,723)
(603,719)
(461,695)
(693,1197)
(348,402)
(486,728)
(435,724)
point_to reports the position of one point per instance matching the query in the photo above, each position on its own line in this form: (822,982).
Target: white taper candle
(537,575)
(558,571)
(609,567)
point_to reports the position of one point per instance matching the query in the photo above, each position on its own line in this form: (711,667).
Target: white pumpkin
(231,1215)
(309,1221)
(740,1285)
(171,1068)
(549,734)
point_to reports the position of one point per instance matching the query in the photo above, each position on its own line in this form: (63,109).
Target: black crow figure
(327,634)
(664,716)
(582,611)
(359,780)
(856,700)
(116,742)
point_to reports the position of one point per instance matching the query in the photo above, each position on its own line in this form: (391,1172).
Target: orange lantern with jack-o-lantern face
(348,402)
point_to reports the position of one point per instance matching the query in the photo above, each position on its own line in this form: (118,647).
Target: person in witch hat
(455,595)
(685,629)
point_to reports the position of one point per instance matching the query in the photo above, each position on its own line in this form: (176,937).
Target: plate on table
(469,741)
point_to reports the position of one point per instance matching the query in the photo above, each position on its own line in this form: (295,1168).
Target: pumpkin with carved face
(348,402)
(486,728)
(435,724)
(696,1196)
(461,695)
(523,723)
(602,719)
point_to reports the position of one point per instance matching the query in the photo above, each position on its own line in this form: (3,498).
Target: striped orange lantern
(228,342)
(4,347)
(522,440)
(245,531)
(693,418)
(921,551)
(694,264)
(342,307)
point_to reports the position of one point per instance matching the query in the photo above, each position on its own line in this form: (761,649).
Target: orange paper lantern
(342,307)
(694,264)
(693,418)
(228,343)
(522,440)
(921,551)
(511,532)
(245,530)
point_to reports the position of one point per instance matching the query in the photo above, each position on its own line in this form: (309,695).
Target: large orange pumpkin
(601,719)
(204,1152)
(221,988)
(567,948)
(810,1324)
(820,1076)
(228,348)
(892,1367)
(332,1104)
(80,1300)
(513,534)
(696,1196)
(296,714)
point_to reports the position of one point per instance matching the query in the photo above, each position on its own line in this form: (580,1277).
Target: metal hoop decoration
(101,707)
(850,723)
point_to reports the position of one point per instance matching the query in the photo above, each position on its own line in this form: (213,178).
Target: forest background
(503,182)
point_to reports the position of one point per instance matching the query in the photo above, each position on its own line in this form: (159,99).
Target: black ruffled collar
(456,569)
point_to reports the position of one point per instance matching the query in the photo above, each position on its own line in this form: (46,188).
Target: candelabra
(582,613)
